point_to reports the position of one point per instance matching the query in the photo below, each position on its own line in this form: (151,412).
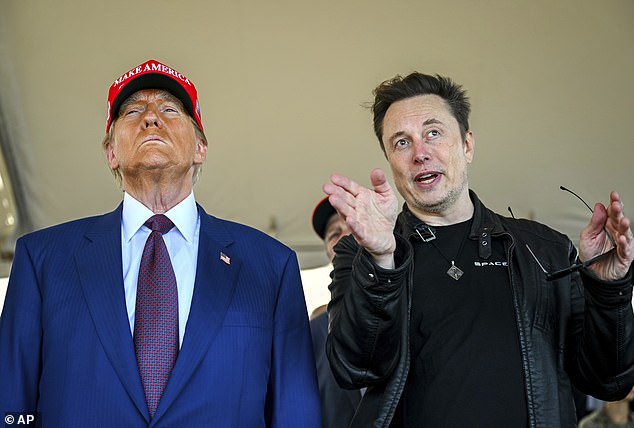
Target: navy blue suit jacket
(66,348)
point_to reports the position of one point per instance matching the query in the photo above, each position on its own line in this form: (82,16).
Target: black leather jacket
(576,328)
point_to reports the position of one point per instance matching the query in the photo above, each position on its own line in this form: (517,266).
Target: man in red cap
(337,404)
(156,314)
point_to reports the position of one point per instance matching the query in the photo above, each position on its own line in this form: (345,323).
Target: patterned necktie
(156,313)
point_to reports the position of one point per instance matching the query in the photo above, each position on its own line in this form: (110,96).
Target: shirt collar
(184,216)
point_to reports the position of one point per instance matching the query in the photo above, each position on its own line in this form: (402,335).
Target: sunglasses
(560,273)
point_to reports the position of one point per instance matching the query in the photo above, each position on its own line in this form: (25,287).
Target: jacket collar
(407,222)
(485,224)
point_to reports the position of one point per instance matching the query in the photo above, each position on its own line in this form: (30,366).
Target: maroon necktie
(156,313)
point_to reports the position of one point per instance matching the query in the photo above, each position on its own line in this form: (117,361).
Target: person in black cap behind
(337,404)
(156,314)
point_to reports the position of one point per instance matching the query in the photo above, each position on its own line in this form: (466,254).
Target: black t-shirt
(466,367)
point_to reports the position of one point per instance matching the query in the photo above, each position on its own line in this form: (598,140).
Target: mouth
(426,177)
(152,138)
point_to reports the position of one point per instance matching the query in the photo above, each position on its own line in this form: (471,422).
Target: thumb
(598,219)
(379,181)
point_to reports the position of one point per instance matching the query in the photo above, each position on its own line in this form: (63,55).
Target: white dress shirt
(182,246)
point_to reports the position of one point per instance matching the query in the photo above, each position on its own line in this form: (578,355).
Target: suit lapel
(100,272)
(216,278)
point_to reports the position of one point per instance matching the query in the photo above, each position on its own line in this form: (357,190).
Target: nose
(421,152)
(151,117)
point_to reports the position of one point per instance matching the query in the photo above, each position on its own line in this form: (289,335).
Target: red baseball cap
(153,75)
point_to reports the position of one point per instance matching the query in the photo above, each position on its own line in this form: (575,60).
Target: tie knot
(159,223)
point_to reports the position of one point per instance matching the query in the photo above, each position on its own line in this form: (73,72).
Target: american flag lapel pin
(225,258)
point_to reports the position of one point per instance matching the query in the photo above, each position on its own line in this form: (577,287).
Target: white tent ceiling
(281,85)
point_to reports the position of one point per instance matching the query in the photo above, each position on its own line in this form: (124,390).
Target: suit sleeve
(293,397)
(20,336)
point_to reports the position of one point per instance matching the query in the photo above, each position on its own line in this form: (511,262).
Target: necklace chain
(426,233)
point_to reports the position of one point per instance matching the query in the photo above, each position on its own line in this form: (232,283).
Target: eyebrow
(163,95)
(432,121)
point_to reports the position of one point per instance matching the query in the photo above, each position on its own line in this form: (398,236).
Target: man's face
(427,155)
(154,133)
(336,229)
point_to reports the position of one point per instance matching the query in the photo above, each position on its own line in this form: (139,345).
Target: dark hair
(399,88)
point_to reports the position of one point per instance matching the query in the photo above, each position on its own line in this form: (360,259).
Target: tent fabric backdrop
(282,89)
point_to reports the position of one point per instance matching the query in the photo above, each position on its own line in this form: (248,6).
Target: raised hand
(369,213)
(594,240)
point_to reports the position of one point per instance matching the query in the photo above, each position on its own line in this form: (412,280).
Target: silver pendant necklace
(428,235)
(454,271)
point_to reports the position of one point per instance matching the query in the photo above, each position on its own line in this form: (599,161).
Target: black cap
(321,214)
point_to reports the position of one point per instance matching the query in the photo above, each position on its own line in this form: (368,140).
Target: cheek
(400,175)
(398,165)
(460,161)
(330,251)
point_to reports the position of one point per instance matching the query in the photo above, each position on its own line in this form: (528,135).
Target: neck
(461,210)
(158,195)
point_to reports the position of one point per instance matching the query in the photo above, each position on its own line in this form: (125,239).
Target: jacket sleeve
(367,314)
(293,396)
(603,336)
(20,337)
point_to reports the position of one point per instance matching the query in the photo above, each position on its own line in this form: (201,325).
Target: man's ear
(201,151)
(469,146)
(111,157)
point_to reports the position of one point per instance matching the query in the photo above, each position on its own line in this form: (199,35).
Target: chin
(435,206)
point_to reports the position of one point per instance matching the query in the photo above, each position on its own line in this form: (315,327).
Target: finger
(625,247)
(624,240)
(379,181)
(615,209)
(342,193)
(598,219)
(624,229)
(346,183)
(329,188)
(340,200)
(343,209)
(616,215)
(332,189)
